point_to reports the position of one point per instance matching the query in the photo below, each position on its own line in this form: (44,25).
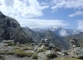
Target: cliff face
(10,29)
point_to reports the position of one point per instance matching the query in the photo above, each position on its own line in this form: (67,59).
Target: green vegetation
(52,55)
(3,52)
(27,48)
(35,56)
(24,48)
(41,50)
(47,59)
(57,49)
(10,53)
(10,43)
(21,53)
(29,54)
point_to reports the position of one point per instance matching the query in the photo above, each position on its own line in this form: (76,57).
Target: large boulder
(77,52)
(42,56)
(51,54)
(10,30)
(41,48)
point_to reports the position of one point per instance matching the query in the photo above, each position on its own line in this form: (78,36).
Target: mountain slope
(56,40)
(35,35)
(50,35)
(10,29)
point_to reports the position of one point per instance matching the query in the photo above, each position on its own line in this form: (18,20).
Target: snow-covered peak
(63,33)
(58,31)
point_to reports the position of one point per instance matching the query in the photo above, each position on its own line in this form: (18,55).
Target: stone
(74,43)
(35,48)
(77,52)
(49,52)
(42,56)
(65,52)
(42,48)
(51,46)
(59,53)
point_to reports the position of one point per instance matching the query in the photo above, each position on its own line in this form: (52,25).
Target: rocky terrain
(11,51)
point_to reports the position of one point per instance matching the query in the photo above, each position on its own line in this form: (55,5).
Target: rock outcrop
(42,56)
(77,52)
(10,30)
(79,37)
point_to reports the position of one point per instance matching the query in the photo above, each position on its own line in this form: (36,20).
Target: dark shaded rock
(10,30)
(2,15)
(2,58)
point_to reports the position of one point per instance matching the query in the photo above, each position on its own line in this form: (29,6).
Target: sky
(45,13)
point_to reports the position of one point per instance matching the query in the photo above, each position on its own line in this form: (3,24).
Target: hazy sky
(45,13)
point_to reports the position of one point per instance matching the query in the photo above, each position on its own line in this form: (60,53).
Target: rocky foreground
(12,51)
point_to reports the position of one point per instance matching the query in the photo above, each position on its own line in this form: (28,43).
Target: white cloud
(24,12)
(22,8)
(76,4)
(37,23)
(78,13)
(80,25)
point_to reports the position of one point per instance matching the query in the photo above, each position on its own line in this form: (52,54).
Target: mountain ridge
(10,30)
(61,32)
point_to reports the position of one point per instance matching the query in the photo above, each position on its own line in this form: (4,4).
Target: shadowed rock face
(10,29)
(2,15)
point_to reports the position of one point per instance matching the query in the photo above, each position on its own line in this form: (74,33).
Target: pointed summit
(2,15)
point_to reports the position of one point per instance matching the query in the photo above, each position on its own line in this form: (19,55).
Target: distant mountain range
(61,32)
